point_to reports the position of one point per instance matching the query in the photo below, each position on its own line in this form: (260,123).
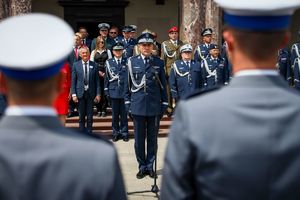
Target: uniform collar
(30,111)
(257,72)
(116,59)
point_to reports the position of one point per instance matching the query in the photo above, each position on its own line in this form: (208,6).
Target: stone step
(108,118)
(104,126)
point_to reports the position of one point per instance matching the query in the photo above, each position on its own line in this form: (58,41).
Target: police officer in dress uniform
(133,32)
(169,54)
(115,76)
(103,32)
(128,42)
(202,50)
(241,141)
(283,64)
(146,101)
(215,71)
(40,159)
(297,73)
(294,54)
(186,74)
(224,55)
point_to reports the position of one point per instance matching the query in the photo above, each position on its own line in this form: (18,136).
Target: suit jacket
(40,159)
(72,58)
(77,86)
(241,142)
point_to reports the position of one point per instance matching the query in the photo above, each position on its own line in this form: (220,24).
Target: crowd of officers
(143,79)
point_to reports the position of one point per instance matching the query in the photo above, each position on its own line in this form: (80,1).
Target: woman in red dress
(62,101)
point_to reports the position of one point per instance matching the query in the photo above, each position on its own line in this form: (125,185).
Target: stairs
(102,125)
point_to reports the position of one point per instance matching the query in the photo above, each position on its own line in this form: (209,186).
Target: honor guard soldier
(241,141)
(146,101)
(186,74)
(103,32)
(128,42)
(169,54)
(283,64)
(214,68)
(41,159)
(202,50)
(115,77)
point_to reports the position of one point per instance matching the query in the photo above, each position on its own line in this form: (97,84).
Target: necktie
(175,43)
(85,74)
(76,52)
(119,63)
(146,60)
(188,63)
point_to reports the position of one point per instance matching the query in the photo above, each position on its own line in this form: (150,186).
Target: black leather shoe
(115,138)
(141,174)
(71,114)
(125,138)
(151,173)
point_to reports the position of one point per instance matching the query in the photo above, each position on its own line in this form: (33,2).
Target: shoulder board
(202,91)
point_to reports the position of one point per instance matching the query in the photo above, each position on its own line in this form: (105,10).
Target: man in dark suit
(241,141)
(40,159)
(74,57)
(85,88)
(85,40)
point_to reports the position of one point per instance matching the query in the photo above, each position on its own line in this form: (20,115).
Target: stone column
(14,7)
(195,15)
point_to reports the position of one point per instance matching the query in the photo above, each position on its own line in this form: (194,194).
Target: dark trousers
(85,106)
(72,106)
(102,105)
(145,127)
(2,104)
(119,117)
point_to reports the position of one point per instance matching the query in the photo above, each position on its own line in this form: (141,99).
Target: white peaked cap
(34,45)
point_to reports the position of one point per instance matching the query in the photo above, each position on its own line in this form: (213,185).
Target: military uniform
(185,78)
(146,100)
(201,52)
(170,53)
(297,73)
(128,46)
(115,78)
(41,159)
(214,71)
(283,64)
(227,63)
(241,141)
(109,42)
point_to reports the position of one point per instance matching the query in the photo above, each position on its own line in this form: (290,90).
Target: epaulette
(201,92)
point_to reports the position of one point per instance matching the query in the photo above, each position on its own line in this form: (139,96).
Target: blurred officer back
(40,159)
(247,145)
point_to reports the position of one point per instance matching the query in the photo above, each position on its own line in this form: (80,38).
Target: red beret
(173,29)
